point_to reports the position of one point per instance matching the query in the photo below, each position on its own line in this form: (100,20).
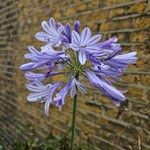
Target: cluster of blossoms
(83,54)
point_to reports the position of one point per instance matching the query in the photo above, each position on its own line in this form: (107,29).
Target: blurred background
(100,124)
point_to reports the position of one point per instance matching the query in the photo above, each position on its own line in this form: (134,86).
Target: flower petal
(82,57)
(33,76)
(47,104)
(94,39)
(73,90)
(75,37)
(32,97)
(35,88)
(77,26)
(42,36)
(46,27)
(85,35)
(129,58)
(52,23)
(27,66)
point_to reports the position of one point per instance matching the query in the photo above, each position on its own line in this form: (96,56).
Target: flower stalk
(74,116)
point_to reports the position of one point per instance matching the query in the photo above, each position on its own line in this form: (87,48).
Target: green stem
(74,116)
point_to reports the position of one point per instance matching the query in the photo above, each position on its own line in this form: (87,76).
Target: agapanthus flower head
(79,52)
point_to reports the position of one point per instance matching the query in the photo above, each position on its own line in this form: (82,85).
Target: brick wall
(8,94)
(123,128)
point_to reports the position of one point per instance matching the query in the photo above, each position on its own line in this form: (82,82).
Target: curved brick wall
(124,128)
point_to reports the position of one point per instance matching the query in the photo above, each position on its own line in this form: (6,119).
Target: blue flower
(43,93)
(79,53)
(67,32)
(106,88)
(121,61)
(84,43)
(75,83)
(46,57)
(52,32)
(71,85)
(60,97)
